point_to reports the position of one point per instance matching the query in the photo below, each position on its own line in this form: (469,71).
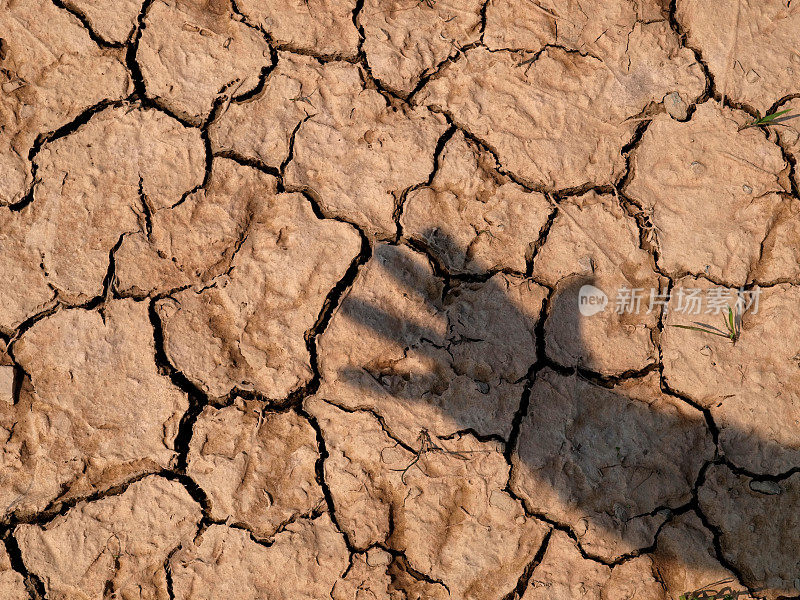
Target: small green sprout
(733,325)
(766,119)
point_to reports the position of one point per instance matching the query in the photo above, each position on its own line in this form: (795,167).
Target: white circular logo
(591,300)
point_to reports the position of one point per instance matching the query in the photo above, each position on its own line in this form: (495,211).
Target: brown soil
(289,299)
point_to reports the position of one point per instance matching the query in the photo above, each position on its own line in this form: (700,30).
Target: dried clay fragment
(303,563)
(632,38)
(322,27)
(95,411)
(565,573)
(737,177)
(444,508)
(12,585)
(111,20)
(351,151)
(116,545)
(257,468)
(102,181)
(195,241)
(420,360)
(786,129)
(50,72)
(751,387)
(405,41)
(750,47)
(758,528)
(557,120)
(192,52)
(473,218)
(367,577)
(686,560)
(248,329)
(593,242)
(606,29)
(24,291)
(608,461)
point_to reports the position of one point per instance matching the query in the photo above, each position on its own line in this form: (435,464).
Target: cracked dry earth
(288,299)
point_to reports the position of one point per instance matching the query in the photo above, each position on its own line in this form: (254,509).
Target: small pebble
(620,512)
(7,384)
(771,488)
(493,217)
(747,189)
(675,106)
(698,168)
(586,264)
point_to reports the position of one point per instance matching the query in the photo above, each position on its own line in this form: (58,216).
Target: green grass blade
(772,117)
(707,326)
(700,329)
(765,120)
(731,324)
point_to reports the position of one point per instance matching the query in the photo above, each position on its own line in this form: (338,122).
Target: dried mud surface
(288,299)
